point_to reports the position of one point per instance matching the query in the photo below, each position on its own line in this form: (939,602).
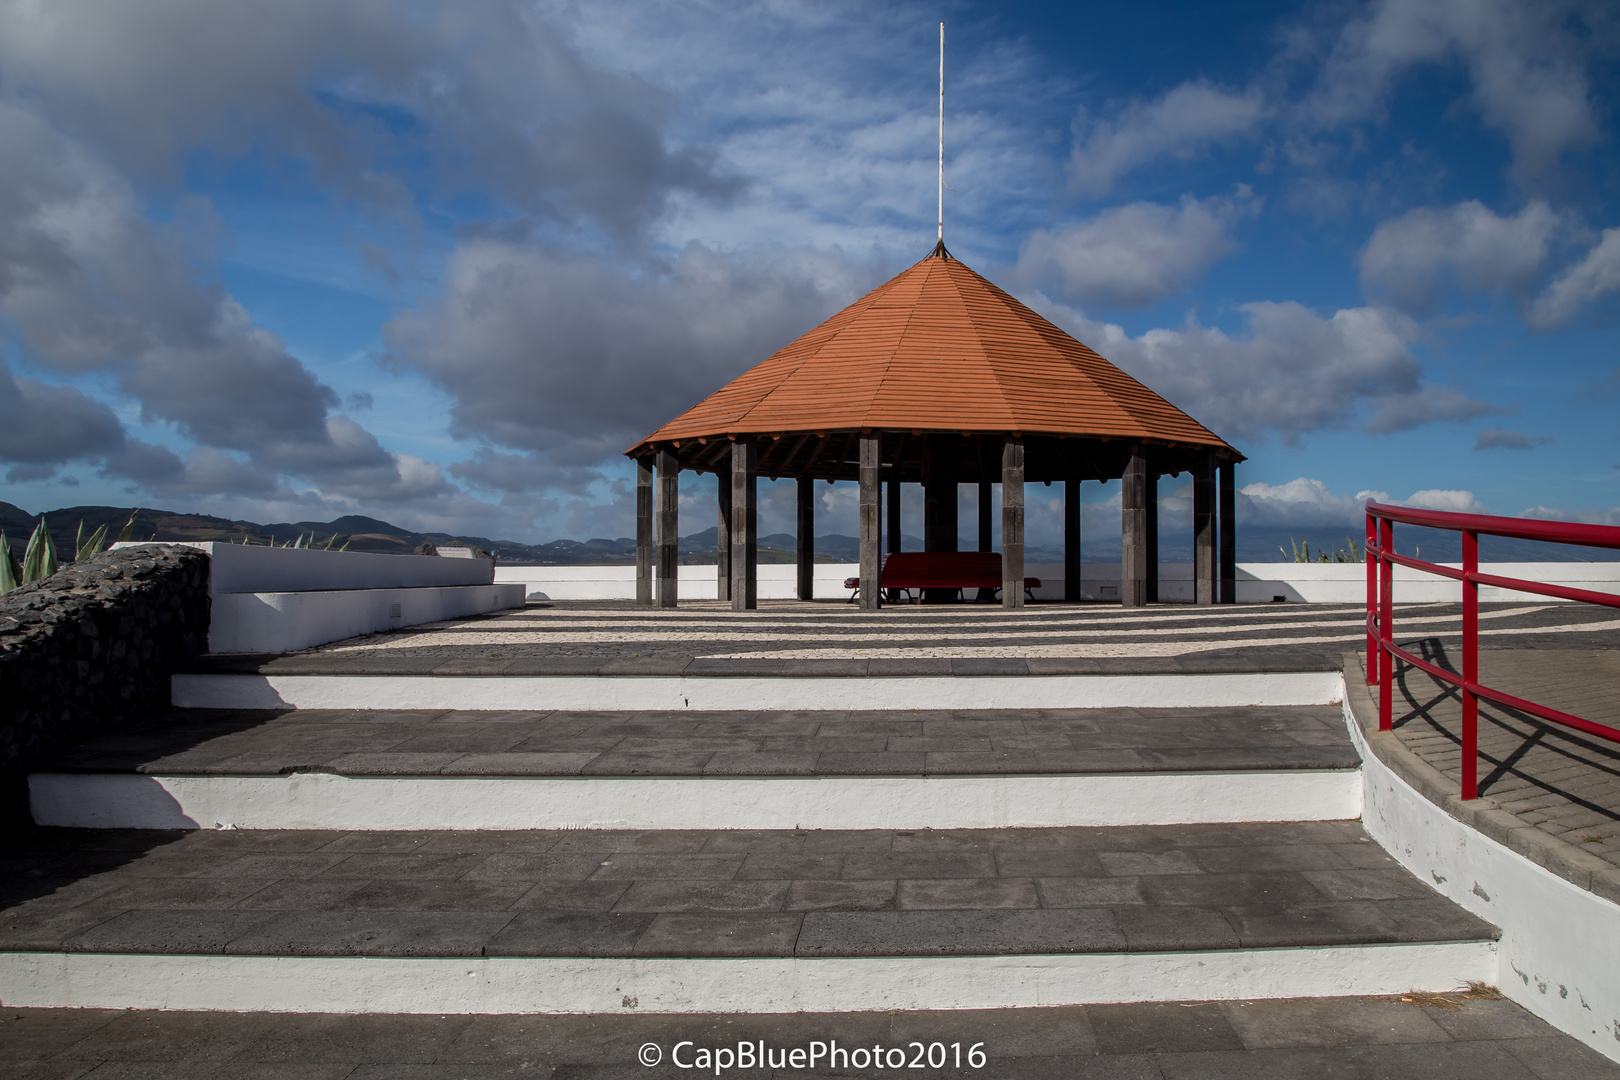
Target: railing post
(1372,599)
(1470,659)
(1386,617)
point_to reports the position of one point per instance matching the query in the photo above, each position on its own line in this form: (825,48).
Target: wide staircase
(394,834)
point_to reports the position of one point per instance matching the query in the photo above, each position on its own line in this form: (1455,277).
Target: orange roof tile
(937,348)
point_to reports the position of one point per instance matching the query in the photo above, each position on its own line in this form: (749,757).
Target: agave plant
(39,561)
(10,572)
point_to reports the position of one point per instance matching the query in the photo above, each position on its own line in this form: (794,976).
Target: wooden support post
(1071,540)
(892,536)
(871,521)
(807,538)
(1012,523)
(987,499)
(1228,501)
(744,526)
(669,525)
(940,499)
(722,537)
(644,531)
(1204,529)
(1133,530)
(1151,505)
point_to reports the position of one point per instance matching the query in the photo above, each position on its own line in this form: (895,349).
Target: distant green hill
(1256,544)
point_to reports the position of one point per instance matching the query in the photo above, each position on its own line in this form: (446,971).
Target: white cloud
(1585,517)
(1183,123)
(1409,257)
(575,359)
(1300,503)
(1454,501)
(1135,254)
(1526,61)
(1289,372)
(1596,275)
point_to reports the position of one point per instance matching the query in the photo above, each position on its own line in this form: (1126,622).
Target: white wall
(239,568)
(1318,583)
(287,621)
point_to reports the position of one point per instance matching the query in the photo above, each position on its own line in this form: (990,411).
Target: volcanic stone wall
(91,648)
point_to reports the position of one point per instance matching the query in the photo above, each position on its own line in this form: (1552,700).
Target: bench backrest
(941,569)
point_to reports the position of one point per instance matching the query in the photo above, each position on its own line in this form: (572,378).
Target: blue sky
(440,264)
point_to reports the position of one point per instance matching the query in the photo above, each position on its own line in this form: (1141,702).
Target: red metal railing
(1381,561)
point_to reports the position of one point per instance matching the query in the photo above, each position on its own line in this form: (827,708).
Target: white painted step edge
(1560,944)
(326,801)
(612,693)
(545,985)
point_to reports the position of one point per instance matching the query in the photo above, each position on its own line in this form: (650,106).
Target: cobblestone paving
(813,631)
(1458,1037)
(678,893)
(825,743)
(1564,782)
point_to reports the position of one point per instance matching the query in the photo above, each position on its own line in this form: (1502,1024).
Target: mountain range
(357,533)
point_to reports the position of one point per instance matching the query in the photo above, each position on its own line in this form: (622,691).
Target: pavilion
(937,377)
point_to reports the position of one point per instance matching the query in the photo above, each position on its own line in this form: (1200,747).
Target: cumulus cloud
(45,426)
(1585,517)
(1300,503)
(1182,124)
(1455,501)
(1502,439)
(1596,275)
(1526,63)
(1135,254)
(1290,371)
(578,359)
(1408,258)
(359,91)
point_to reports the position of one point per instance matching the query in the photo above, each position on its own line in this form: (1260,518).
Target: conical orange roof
(937,348)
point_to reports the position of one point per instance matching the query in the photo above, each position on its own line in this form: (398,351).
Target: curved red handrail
(1382,652)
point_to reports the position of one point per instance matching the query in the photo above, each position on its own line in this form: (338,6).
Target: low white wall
(1257,583)
(286,621)
(239,568)
(1560,948)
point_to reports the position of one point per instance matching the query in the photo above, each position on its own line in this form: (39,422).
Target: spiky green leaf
(10,572)
(39,561)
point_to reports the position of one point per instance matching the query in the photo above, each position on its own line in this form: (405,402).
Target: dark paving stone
(1161,1028)
(364,933)
(680,896)
(1324,1022)
(841,896)
(742,934)
(155,931)
(544,933)
(1174,929)
(953,894)
(958,933)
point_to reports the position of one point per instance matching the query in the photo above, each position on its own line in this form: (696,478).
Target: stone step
(721,921)
(385,680)
(424,769)
(1464,1035)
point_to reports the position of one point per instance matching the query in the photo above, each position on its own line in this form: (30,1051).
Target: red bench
(954,570)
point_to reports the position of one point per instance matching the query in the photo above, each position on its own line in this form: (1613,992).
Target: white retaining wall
(267,599)
(1317,583)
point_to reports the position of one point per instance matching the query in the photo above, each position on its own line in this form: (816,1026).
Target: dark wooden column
(1204,529)
(644,531)
(1151,505)
(1133,529)
(987,499)
(1071,540)
(744,526)
(1228,501)
(871,520)
(669,527)
(722,538)
(1012,523)
(892,536)
(807,538)
(939,497)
